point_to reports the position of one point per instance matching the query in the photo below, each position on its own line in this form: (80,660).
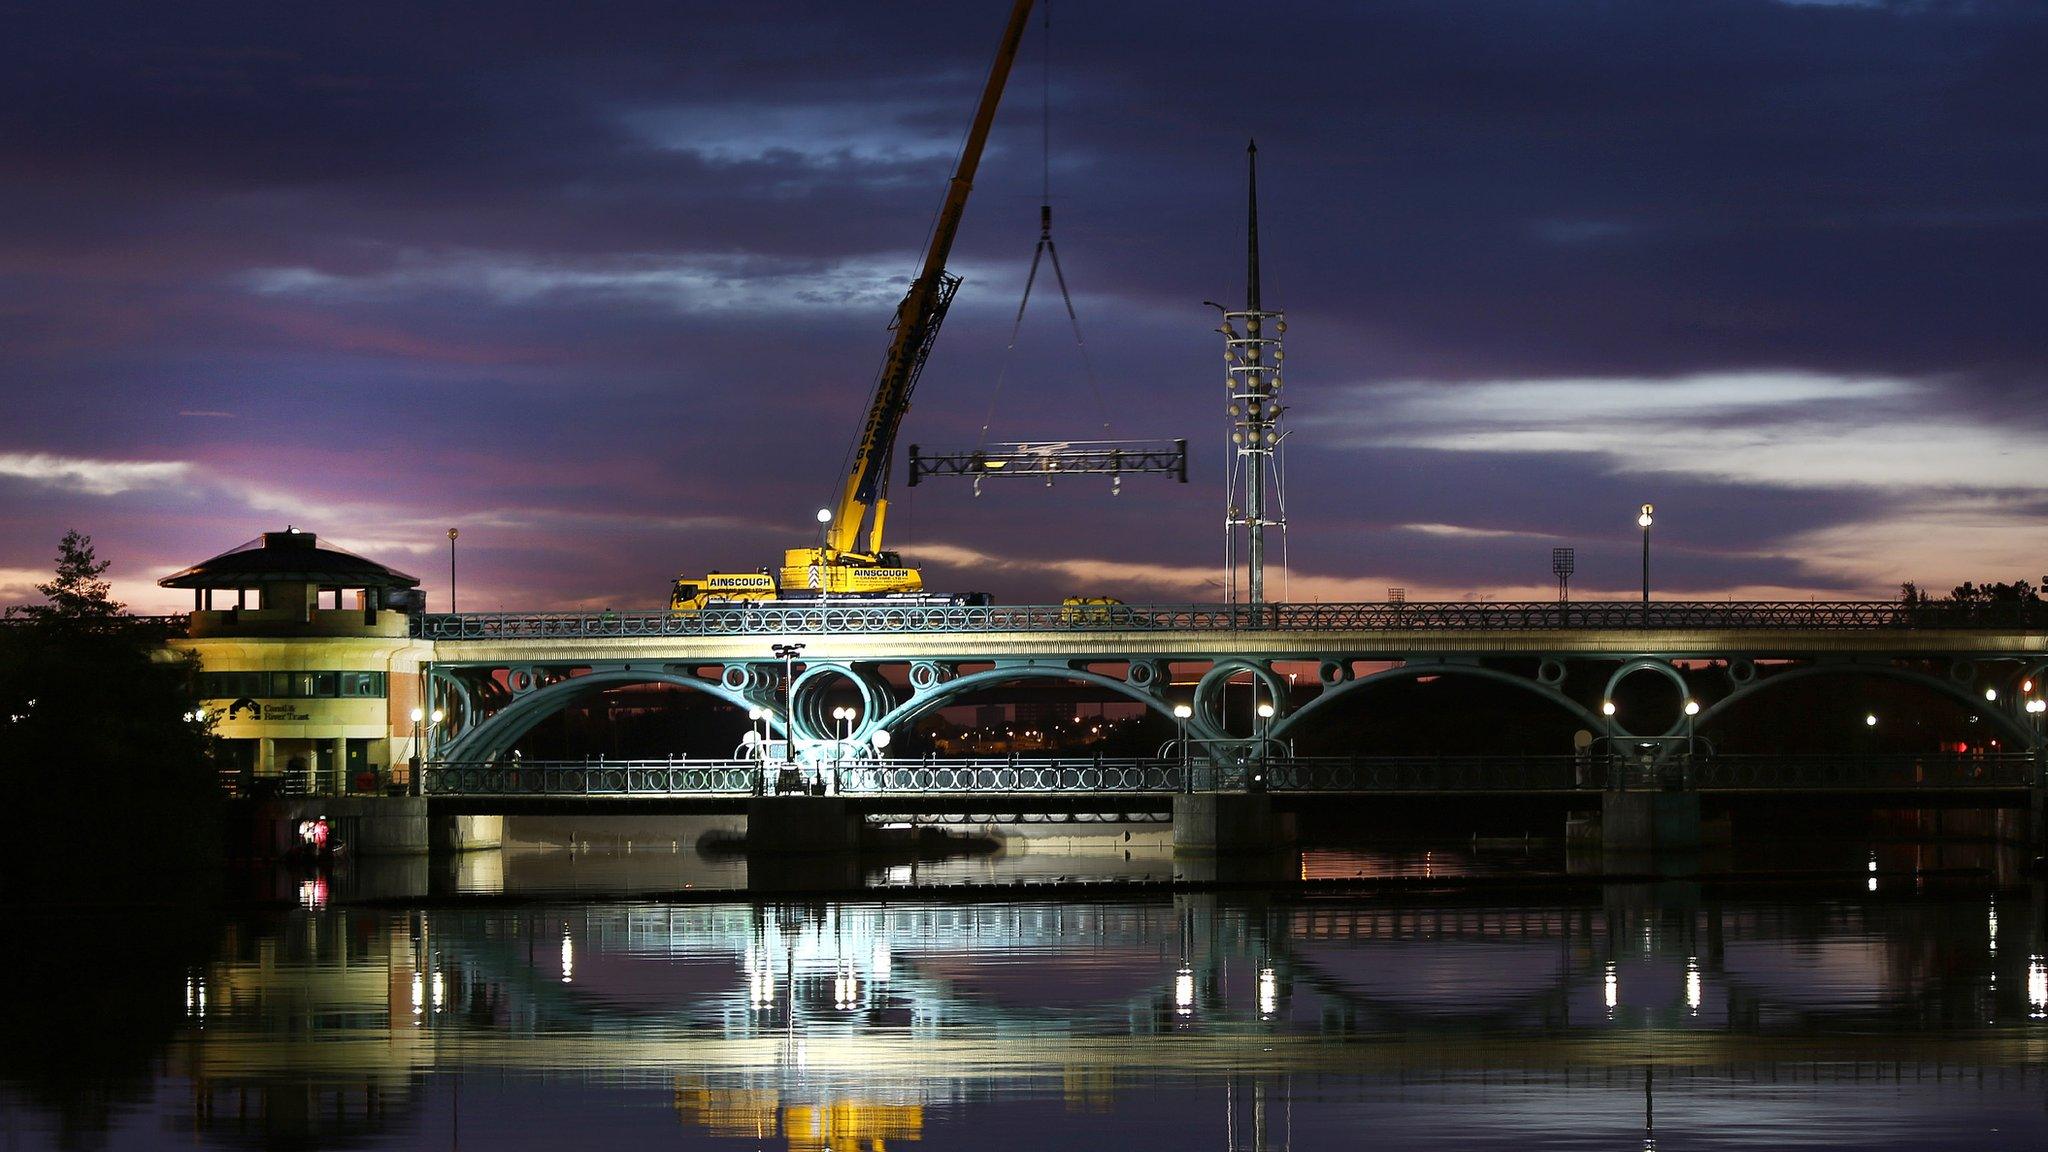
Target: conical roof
(288,557)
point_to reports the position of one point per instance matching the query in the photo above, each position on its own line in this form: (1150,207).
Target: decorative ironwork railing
(1538,616)
(1864,773)
(1112,777)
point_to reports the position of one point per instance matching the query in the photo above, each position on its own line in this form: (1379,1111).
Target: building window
(292,685)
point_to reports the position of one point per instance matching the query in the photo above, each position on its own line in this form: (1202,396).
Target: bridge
(496,676)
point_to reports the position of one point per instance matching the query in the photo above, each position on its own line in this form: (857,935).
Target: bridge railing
(606,778)
(1543,615)
(1105,776)
(1822,772)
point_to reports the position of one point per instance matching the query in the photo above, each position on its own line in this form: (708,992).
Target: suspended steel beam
(1053,458)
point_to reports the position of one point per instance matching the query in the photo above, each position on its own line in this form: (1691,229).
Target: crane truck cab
(691,595)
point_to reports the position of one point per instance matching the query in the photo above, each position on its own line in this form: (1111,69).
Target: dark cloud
(550,264)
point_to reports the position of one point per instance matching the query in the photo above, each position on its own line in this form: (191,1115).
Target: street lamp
(415,762)
(1644,520)
(1692,709)
(787,653)
(1181,712)
(452,534)
(1607,710)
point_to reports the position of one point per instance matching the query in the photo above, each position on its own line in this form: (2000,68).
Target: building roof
(288,557)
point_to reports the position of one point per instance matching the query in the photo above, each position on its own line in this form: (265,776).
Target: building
(306,664)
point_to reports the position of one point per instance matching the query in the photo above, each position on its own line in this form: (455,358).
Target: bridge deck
(1671,628)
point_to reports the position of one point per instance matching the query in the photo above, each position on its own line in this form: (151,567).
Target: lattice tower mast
(1256,495)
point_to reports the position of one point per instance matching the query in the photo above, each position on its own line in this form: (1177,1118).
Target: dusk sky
(606,285)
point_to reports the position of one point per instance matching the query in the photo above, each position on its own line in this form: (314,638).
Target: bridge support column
(1650,822)
(1228,823)
(802,825)
(366,825)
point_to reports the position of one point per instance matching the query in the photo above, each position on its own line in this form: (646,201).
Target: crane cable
(1045,248)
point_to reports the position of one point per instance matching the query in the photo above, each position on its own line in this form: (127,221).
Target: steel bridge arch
(496,735)
(1970,700)
(939,694)
(1415,672)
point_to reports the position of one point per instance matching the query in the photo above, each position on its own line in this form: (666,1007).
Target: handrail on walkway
(1542,615)
(1082,775)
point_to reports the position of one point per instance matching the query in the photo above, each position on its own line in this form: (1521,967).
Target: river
(1454,996)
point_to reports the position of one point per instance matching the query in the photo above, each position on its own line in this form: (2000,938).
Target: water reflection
(1484,1018)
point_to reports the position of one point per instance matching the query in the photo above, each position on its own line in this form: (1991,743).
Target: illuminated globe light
(1870,720)
(1607,708)
(1644,519)
(1265,711)
(1692,707)
(1182,711)
(418,715)
(880,740)
(1991,694)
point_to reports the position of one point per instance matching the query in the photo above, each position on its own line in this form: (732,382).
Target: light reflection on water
(1464,1018)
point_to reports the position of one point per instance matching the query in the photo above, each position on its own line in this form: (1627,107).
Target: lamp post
(412,762)
(845,717)
(1181,712)
(1692,709)
(1613,770)
(452,534)
(757,746)
(787,653)
(416,763)
(1257,783)
(1644,520)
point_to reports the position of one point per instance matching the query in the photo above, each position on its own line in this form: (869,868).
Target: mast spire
(1252,359)
(1251,259)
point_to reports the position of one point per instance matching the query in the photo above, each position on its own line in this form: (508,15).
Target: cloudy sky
(605,285)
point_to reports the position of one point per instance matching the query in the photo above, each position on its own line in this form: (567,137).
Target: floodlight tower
(1252,377)
(1563,562)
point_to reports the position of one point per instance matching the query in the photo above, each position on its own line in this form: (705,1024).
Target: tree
(98,737)
(78,593)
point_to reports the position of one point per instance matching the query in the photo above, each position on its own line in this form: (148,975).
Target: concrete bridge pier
(802,825)
(366,825)
(1229,824)
(1649,823)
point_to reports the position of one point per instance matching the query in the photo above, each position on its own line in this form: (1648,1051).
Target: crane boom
(866,487)
(835,566)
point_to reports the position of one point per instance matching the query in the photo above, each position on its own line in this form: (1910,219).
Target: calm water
(1566,1015)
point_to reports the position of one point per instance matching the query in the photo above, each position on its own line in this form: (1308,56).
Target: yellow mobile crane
(837,566)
